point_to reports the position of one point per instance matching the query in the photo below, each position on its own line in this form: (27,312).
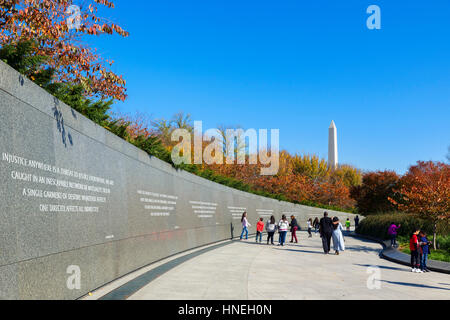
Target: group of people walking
(271,227)
(329,228)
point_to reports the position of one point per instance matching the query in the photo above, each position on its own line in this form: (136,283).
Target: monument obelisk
(332,146)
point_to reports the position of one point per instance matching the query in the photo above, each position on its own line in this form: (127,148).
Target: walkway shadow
(415,285)
(360,248)
(381,267)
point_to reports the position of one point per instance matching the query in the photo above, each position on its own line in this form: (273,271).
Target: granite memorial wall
(80,207)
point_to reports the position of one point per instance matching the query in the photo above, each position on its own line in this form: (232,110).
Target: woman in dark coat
(294,228)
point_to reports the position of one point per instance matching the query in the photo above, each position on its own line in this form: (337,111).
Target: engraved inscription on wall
(58,189)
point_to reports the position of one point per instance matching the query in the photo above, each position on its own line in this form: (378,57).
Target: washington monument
(332,146)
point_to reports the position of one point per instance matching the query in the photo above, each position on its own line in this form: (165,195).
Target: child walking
(259,230)
(347,224)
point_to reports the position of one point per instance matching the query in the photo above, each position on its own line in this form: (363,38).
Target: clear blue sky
(295,65)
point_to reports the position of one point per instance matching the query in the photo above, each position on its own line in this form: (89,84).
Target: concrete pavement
(246,270)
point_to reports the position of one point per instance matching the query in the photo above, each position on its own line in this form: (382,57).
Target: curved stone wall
(80,207)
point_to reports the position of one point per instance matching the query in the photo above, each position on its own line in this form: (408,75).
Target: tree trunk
(434,235)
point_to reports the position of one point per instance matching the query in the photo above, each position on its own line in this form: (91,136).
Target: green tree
(310,166)
(372,195)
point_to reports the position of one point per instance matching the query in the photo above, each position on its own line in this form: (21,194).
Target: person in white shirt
(338,238)
(283,227)
(309,223)
(245,225)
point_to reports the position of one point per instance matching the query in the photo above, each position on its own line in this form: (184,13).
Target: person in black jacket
(294,228)
(326,231)
(356,222)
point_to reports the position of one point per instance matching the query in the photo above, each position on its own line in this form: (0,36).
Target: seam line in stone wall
(113,241)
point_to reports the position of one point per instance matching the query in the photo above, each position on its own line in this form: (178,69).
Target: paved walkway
(245,270)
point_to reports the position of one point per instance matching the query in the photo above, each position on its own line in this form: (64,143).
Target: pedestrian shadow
(253,242)
(381,267)
(415,285)
(302,251)
(298,245)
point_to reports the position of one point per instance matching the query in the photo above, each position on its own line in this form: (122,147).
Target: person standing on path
(309,223)
(347,224)
(283,227)
(356,222)
(414,247)
(259,230)
(245,225)
(338,238)
(271,227)
(326,232)
(294,228)
(316,225)
(392,231)
(425,244)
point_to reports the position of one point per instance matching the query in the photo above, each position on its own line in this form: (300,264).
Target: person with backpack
(294,228)
(259,230)
(271,227)
(414,247)
(245,225)
(283,227)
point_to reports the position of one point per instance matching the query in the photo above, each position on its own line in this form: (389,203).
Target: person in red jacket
(259,229)
(414,247)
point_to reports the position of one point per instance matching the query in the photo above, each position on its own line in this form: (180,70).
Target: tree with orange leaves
(425,191)
(46,23)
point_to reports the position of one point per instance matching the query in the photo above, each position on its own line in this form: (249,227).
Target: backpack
(271,227)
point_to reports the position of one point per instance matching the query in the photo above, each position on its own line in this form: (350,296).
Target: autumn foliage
(45,23)
(36,38)
(425,191)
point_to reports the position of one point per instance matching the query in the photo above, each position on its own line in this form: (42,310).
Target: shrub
(377,225)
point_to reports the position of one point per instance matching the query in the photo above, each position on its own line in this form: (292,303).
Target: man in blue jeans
(424,243)
(283,227)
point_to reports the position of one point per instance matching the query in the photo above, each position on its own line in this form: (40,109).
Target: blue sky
(295,66)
